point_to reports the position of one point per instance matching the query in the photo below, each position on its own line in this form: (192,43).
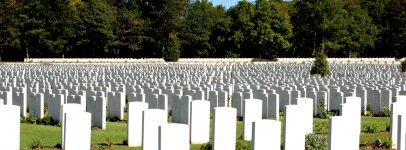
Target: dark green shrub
(369,107)
(46,120)
(24,119)
(368,112)
(172,52)
(243,145)
(335,112)
(371,128)
(403,66)
(114,119)
(58,146)
(387,127)
(320,65)
(323,113)
(321,128)
(385,142)
(206,146)
(33,120)
(36,144)
(125,142)
(316,142)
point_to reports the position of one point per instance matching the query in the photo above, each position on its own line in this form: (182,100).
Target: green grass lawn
(49,136)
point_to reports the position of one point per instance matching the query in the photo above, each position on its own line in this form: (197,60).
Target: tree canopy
(265,29)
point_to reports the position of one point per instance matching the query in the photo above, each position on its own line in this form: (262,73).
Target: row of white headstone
(150,129)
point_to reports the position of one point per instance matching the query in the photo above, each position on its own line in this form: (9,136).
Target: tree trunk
(26,52)
(1,51)
(314,44)
(163,50)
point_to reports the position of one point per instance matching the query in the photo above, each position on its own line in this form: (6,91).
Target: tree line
(196,28)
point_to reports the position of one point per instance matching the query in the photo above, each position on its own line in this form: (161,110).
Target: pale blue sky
(227,3)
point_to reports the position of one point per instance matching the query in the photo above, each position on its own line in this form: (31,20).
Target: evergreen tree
(95,36)
(9,32)
(129,29)
(320,65)
(34,37)
(395,29)
(172,53)
(163,18)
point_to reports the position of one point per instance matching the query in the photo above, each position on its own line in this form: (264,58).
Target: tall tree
(34,35)
(242,29)
(376,10)
(9,32)
(200,20)
(163,18)
(341,26)
(395,30)
(59,25)
(359,32)
(221,41)
(95,36)
(272,29)
(129,29)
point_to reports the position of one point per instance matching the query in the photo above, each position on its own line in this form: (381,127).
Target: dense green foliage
(385,142)
(316,142)
(265,29)
(172,52)
(320,65)
(403,66)
(371,128)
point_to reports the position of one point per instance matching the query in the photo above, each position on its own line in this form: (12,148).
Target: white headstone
(10,127)
(151,119)
(397,108)
(266,134)
(307,120)
(134,123)
(294,133)
(20,99)
(237,102)
(200,122)
(181,110)
(400,143)
(77,131)
(116,104)
(225,124)
(67,108)
(97,107)
(338,133)
(54,106)
(351,110)
(37,108)
(167,141)
(273,106)
(252,112)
